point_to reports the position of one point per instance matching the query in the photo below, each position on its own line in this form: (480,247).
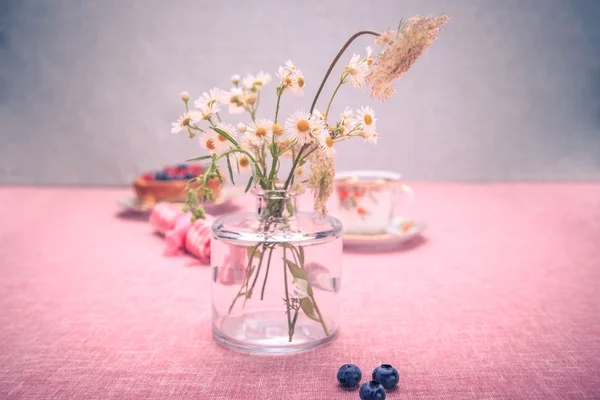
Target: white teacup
(368,200)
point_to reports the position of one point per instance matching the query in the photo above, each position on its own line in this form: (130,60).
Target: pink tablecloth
(501,301)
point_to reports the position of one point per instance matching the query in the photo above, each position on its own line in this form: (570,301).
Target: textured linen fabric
(500,300)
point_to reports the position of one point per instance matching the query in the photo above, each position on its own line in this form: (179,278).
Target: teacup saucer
(400,230)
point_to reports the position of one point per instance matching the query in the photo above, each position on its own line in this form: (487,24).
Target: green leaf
(252,251)
(289,207)
(301,251)
(296,271)
(199,158)
(225,135)
(237,163)
(230,170)
(309,310)
(249,183)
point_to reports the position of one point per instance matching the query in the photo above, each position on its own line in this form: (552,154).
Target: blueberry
(160,176)
(181,166)
(386,375)
(190,175)
(349,376)
(372,391)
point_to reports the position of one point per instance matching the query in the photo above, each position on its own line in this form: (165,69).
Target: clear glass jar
(276,277)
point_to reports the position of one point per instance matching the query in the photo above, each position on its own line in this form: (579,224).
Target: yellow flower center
(222,138)
(303,125)
(278,129)
(210,144)
(288,81)
(369,61)
(329,141)
(261,131)
(185,121)
(251,100)
(244,162)
(300,81)
(368,119)
(323,115)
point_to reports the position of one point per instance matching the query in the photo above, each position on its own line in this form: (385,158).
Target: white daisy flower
(216,143)
(263,78)
(346,122)
(319,114)
(326,143)
(208,99)
(302,127)
(186,120)
(209,142)
(235,79)
(257,82)
(290,65)
(369,59)
(370,137)
(260,130)
(297,87)
(235,100)
(208,110)
(346,117)
(241,127)
(243,163)
(291,78)
(284,76)
(300,289)
(221,140)
(357,71)
(365,116)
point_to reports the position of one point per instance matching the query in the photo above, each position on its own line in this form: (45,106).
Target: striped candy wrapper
(164,217)
(198,239)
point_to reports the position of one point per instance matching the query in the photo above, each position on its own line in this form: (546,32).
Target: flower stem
(332,96)
(248,274)
(258,268)
(320,316)
(287,296)
(279,93)
(262,292)
(335,60)
(296,254)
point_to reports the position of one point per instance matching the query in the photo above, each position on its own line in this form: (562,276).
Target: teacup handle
(405,189)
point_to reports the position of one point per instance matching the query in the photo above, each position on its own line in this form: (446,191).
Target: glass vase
(276,277)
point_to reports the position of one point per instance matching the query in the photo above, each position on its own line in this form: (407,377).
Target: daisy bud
(241,127)
(185,96)
(278,129)
(235,79)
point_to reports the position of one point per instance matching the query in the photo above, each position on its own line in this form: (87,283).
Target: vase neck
(276,204)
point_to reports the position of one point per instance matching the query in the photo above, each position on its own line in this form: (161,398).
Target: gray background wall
(510,91)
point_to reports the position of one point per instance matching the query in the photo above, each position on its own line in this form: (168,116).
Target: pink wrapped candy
(175,238)
(180,233)
(198,237)
(164,217)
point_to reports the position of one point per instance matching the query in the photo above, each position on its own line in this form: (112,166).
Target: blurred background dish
(401,230)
